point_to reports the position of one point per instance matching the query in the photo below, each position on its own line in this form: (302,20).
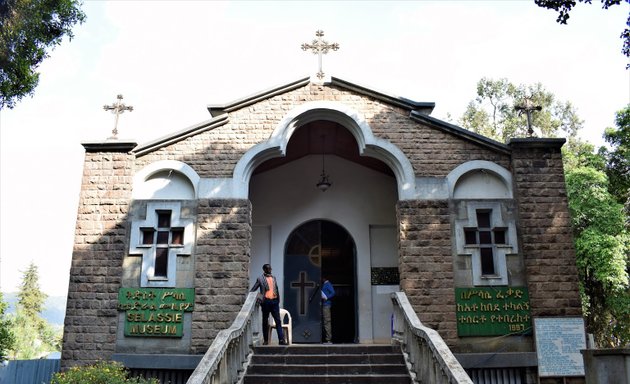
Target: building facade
(171,234)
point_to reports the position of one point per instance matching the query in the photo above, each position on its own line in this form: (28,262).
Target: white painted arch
(337,112)
(183,185)
(498,185)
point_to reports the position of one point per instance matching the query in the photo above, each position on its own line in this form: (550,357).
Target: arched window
(162,219)
(485,228)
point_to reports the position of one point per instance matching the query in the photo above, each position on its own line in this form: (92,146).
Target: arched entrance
(314,249)
(361,201)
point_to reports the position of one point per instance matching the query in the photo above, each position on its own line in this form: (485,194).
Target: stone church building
(319,179)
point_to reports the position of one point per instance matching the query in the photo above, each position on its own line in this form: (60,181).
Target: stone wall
(221,267)
(545,227)
(426,263)
(99,247)
(545,238)
(101,244)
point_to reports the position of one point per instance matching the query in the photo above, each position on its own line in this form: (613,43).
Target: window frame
(464,228)
(149,252)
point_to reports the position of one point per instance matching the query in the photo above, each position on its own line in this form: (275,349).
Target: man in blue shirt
(328,292)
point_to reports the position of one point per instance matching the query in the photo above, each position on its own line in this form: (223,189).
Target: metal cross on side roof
(320,47)
(117,108)
(528,107)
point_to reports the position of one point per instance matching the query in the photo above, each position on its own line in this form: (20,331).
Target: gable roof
(423,107)
(180,135)
(418,111)
(459,131)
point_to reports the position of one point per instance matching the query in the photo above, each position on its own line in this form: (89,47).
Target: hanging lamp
(323,183)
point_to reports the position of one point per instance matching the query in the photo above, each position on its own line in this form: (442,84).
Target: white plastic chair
(287,327)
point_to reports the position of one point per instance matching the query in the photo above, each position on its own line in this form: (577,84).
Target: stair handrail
(224,361)
(427,355)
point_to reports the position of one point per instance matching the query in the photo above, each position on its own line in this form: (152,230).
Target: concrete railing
(224,361)
(428,357)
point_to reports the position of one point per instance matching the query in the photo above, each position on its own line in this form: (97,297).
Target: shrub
(103,372)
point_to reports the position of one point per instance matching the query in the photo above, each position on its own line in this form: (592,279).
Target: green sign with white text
(155,312)
(492,311)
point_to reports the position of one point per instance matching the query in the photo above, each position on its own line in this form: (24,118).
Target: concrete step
(328,359)
(327,379)
(322,364)
(328,369)
(340,349)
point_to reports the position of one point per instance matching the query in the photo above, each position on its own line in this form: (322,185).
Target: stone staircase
(327,364)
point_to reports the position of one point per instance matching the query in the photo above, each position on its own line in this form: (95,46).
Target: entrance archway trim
(337,112)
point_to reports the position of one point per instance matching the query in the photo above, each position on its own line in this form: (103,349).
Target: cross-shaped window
(485,231)
(160,238)
(167,238)
(486,238)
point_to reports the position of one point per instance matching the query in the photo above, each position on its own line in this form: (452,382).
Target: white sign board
(558,344)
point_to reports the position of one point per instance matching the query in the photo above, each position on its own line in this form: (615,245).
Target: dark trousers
(326,315)
(273,307)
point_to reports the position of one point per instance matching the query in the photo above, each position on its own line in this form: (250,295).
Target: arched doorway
(314,249)
(362,198)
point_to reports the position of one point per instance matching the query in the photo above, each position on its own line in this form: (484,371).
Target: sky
(170,59)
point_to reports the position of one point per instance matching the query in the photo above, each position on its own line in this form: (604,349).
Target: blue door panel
(302,298)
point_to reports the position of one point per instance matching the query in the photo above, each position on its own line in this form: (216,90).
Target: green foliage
(28,29)
(104,372)
(563,7)
(578,153)
(478,120)
(601,258)
(619,325)
(493,112)
(7,339)
(602,244)
(618,157)
(27,343)
(34,337)
(596,207)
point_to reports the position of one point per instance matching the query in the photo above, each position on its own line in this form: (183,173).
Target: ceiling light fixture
(323,183)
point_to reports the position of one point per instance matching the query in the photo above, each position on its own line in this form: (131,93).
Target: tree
(7,340)
(493,112)
(30,298)
(582,154)
(602,237)
(28,30)
(602,243)
(618,157)
(563,7)
(33,335)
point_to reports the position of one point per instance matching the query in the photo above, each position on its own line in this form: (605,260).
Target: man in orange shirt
(268,287)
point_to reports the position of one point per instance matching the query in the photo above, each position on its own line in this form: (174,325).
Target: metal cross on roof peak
(320,47)
(117,109)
